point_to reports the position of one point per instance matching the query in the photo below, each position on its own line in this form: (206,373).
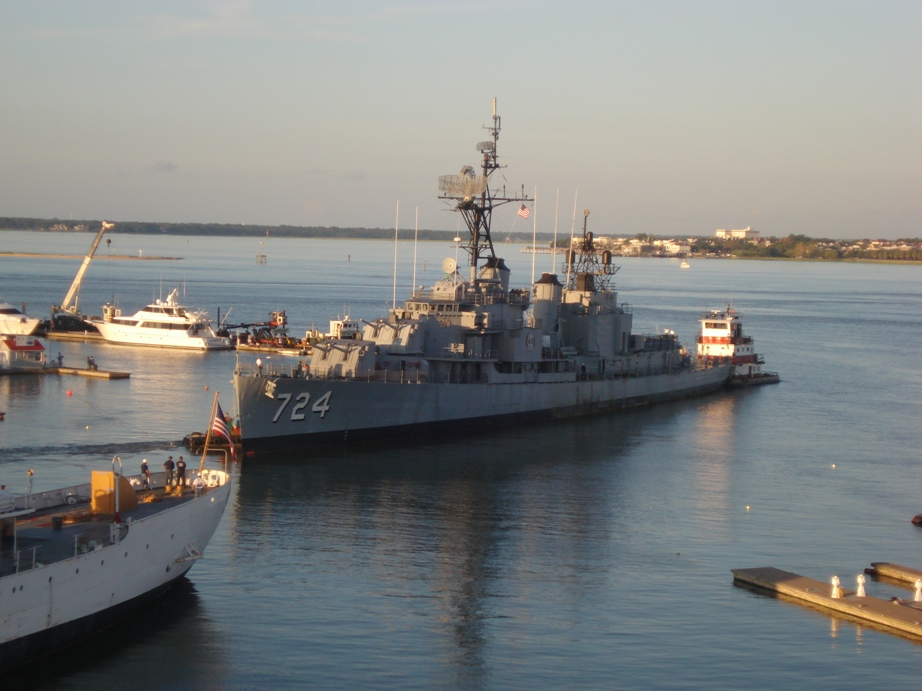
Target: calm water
(588,554)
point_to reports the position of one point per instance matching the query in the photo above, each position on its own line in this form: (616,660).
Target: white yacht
(15,323)
(162,324)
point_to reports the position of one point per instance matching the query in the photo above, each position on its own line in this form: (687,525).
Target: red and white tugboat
(721,339)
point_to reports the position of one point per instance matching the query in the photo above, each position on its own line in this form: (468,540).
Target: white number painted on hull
(321,405)
(284,398)
(296,413)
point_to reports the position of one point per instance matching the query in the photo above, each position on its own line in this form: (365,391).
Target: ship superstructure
(721,339)
(470,351)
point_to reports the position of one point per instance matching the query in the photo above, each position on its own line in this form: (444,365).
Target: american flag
(219,428)
(524,211)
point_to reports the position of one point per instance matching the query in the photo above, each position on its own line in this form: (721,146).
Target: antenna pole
(554,247)
(396,227)
(415,242)
(572,229)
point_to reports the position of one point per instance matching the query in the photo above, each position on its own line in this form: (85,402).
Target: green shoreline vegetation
(790,247)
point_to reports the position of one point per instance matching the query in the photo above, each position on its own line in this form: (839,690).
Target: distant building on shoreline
(746,233)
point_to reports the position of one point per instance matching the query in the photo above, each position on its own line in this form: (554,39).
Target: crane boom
(75,286)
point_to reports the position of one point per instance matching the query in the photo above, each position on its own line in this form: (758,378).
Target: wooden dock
(896,616)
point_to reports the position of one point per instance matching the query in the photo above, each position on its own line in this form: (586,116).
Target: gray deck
(36,531)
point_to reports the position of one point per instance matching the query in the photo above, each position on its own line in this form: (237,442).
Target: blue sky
(660,117)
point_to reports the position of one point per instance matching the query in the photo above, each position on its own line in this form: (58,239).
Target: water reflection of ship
(174,630)
(714,442)
(445,524)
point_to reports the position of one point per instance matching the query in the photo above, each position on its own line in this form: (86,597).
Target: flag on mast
(524,211)
(219,428)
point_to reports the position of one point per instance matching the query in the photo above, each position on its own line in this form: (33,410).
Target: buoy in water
(917,519)
(70,393)
(206,388)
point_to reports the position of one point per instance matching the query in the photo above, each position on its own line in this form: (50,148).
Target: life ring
(71,499)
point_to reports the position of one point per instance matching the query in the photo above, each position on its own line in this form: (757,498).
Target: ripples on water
(591,553)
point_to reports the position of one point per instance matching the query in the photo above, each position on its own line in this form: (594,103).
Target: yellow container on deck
(103,487)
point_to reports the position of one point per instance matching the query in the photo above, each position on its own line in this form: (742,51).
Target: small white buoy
(917,596)
(860,579)
(836,588)
(87,426)
(833,466)
(747,507)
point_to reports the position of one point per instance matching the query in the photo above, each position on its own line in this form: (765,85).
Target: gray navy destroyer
(470,352)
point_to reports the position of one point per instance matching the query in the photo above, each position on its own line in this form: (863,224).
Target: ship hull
(45,609)
(308,412)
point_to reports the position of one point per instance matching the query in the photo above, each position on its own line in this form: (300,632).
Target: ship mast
(589,269)
(476,201)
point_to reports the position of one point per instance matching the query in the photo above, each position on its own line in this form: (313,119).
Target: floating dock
(82,372)
(894,572)
(98,373)
(74,336)
(896,616)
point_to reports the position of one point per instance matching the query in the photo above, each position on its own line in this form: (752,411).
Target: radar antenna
(475,200)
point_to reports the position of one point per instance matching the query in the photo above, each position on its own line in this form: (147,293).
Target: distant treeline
(805,247)
(242,230)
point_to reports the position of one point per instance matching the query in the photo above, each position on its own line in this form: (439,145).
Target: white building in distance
(745,234)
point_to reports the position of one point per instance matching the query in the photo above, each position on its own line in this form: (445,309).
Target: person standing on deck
(168,467)
(145,474)
(181,473)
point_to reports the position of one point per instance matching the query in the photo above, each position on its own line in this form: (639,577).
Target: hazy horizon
(669,118)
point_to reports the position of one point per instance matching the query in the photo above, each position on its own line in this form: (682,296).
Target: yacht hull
(157,338)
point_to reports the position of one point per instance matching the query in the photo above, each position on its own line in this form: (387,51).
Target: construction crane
(73,294)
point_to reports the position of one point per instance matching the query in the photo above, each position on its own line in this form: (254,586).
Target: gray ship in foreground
(469,352)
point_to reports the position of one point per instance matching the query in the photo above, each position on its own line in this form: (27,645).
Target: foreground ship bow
(77,559)
(469,352)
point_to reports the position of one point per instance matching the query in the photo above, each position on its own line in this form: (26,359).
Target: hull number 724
(321,405)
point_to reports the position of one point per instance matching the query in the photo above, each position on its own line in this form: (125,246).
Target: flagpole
(214,407)
(534,236)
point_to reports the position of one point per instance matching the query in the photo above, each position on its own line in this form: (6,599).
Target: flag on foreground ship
(219,428)
(524,211)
